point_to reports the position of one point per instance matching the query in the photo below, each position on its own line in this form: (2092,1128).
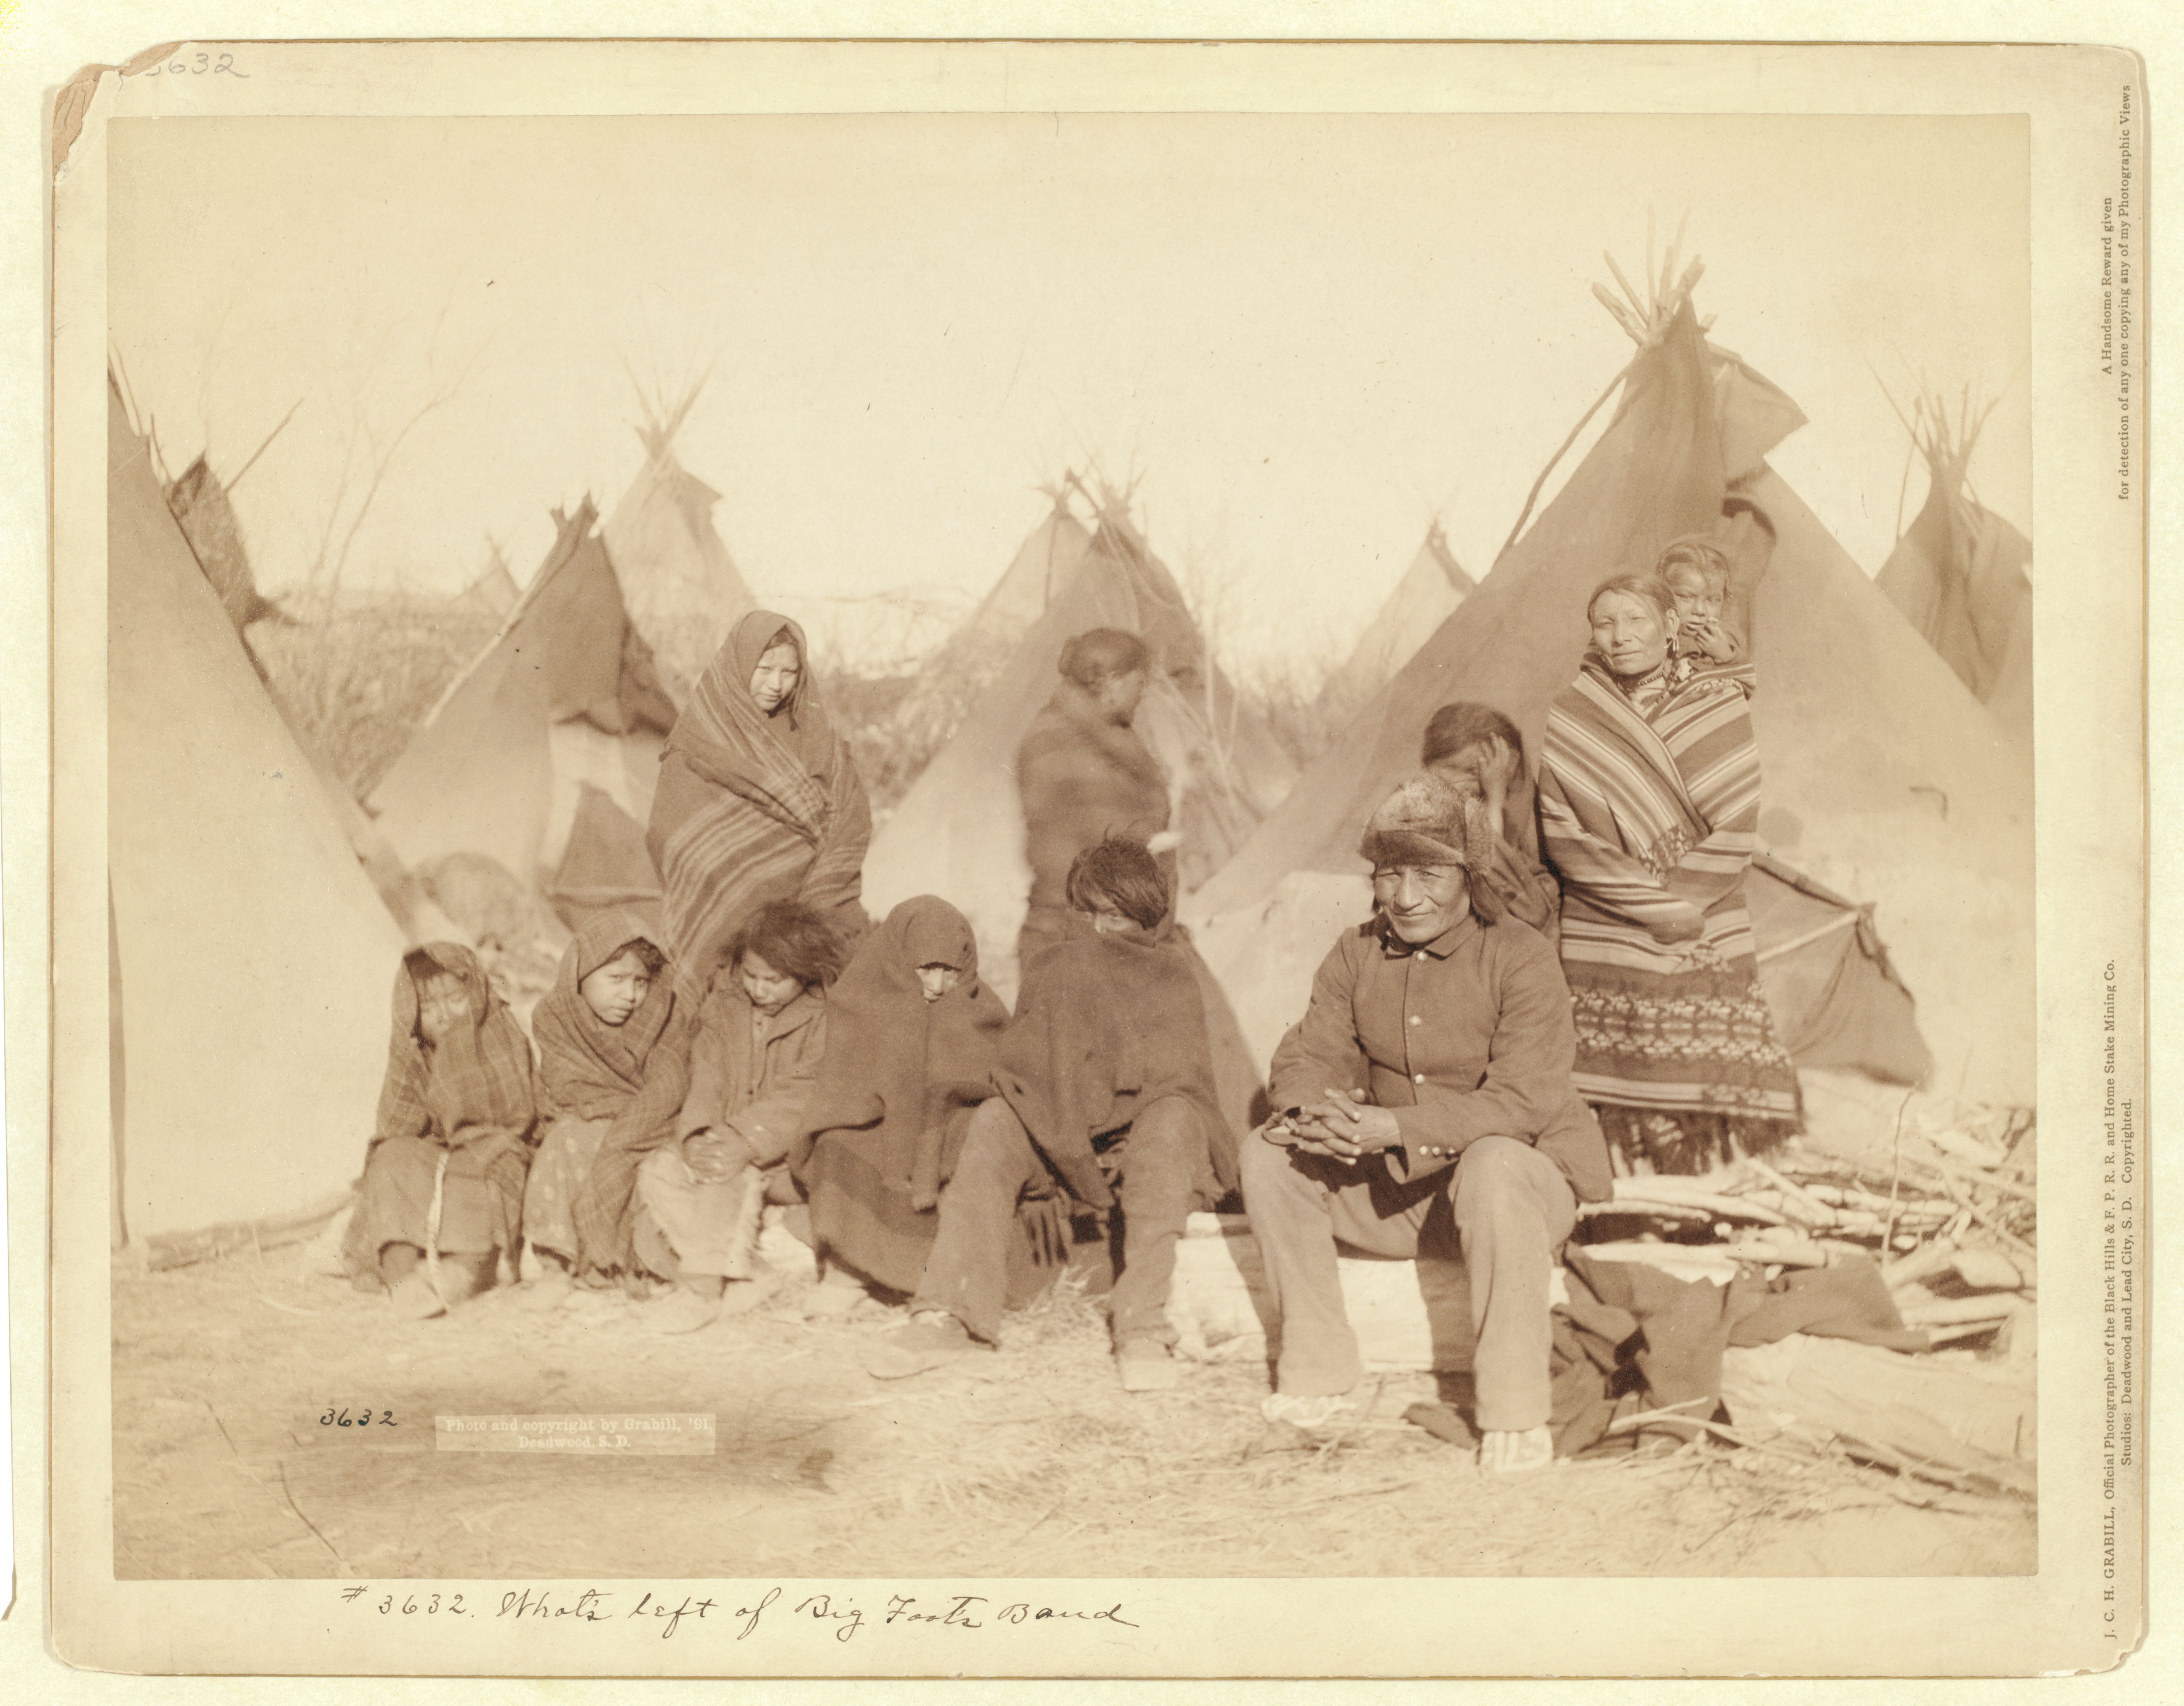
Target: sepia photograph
(1074,849)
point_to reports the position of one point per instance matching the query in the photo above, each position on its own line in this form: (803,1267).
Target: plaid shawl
(632,1074)
(470,1093)
(755,806)
(1651,816)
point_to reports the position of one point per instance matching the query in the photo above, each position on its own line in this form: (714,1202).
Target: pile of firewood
(1949,1216)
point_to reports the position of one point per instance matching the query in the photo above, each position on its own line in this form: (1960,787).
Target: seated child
(1106,1093)
(445,1169)
(753,1058)
(912,1040)
(613,1051)
(1481,752)
(1697,574)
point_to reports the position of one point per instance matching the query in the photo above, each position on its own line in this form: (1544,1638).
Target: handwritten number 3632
(341,1418)
(205,62)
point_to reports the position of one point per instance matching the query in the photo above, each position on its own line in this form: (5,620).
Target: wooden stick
(1636,301)
(1660,1188)
(1532,496)
(1992,1226)
(1824,1215)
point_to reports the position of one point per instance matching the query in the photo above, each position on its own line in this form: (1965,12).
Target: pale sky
(1304,337)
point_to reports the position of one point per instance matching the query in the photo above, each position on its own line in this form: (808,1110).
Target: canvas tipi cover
(950,681)
(495,593)
(1883,778)
(544,754)
(680,587)
(251,959)
(1425,597)
(1962,576)
(959,832)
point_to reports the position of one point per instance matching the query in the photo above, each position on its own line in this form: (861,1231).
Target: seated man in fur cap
(1426,1103)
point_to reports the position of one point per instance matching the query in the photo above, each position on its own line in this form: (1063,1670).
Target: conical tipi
(1962,576)
(251,959)
(1425,597)
(1883,778)
(679,584)
(950,681)
(544,754)
(959,832)
(495,593)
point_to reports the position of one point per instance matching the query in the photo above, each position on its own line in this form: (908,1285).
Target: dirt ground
(1029,1462)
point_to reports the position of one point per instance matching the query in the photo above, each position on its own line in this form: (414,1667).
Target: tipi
(251,959)
(1425,597)
(679,584)
(1962,576)
(1884,779)
(950,682)
(959,831)
(543,754)
(495,593)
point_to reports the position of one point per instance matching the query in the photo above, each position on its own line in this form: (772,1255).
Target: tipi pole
(235,479)
(1532,496)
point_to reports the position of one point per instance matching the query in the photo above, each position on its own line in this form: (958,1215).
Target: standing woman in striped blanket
(1649,808)
(758,801)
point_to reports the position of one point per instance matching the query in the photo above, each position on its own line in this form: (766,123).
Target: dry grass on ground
(1031,1462)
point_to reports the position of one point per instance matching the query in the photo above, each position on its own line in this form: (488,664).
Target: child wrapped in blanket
(613,1051)
(755,1060)
(1697,573)
(445,1170)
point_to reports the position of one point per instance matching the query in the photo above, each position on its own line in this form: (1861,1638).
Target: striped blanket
(1651,817)
(754,806)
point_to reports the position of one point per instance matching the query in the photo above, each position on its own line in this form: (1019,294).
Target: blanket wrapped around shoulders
(632,1074)
(1106,1025)
(901,1073)
(754,806)
(1649,810)
(469,1095)
(1083,778)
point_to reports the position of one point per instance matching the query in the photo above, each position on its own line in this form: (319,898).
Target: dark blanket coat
(1106,1025)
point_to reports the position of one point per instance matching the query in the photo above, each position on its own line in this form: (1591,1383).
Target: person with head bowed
(1105,1095)
(913,1040)
(1425,1105)
(441,1197)
(1480,750)
(1084,773)
(758,800)
(613,1057)
(754,1061)
(1649,812)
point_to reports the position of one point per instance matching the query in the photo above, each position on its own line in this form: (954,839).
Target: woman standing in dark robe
(1086,773)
